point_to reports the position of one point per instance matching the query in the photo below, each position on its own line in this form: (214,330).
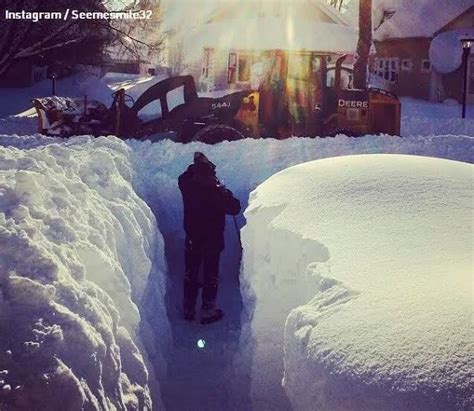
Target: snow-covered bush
(368,261)
(76,249)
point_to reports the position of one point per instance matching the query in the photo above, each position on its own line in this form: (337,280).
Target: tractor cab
(304,95)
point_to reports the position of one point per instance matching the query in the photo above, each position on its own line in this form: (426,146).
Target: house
(119,59)
(235,36)
(418,48)
(24,73)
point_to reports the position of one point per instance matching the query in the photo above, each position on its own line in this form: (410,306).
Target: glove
(225,191)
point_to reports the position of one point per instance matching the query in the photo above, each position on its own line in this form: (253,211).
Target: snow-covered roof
(182,15)
(301,9)
(269,33)
(421,18)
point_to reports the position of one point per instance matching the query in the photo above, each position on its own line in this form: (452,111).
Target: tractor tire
(215,133)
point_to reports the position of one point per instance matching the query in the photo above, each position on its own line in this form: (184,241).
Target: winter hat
(200,158)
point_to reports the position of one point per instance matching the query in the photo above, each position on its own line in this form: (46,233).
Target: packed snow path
(204,377)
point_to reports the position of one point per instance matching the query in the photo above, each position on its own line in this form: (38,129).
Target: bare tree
(22,39)
(141,38)
(364,43)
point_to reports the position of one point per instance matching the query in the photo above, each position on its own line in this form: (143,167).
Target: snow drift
(242,166)
(76,248)
(70,223)
(368,260)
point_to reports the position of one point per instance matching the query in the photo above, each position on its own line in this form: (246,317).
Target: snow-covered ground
(18,117)
(368,260)
(242,166)
(77,233)
(419,117)
(424,118)
(77,246)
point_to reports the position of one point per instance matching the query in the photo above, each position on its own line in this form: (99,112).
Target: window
(38,73)
(316,64)
(151,111)
(330,59)
(207,63)
(243,71)
(175,97)
(425,66)
(407,65)
(231,68)
(387,68)
(239,67)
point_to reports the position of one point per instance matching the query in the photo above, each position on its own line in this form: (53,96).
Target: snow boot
(211,315)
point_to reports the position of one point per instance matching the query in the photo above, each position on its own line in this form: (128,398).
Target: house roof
(417,18)
(271,33)
(181,15)
(299,9)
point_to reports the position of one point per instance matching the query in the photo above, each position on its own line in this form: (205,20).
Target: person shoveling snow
(206,202)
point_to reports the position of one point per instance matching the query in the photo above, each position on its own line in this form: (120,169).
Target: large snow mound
(424,118)
(242,166)
(371,257)
(76,245)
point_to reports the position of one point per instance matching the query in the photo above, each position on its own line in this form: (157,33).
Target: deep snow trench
(62,201)
(230,373)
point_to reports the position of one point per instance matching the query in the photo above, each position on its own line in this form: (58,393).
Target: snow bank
(242,166)
(19,125)
(70,208)
(76,249)
(423,118)
(368,259)
(19,117)
(16,100)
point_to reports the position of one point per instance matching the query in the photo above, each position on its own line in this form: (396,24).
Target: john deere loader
(300,95)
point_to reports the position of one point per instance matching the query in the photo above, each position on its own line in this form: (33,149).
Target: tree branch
(129,36)
(55,46)
(59,30)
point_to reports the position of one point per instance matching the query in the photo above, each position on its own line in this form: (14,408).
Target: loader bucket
(64,116)
(43,122)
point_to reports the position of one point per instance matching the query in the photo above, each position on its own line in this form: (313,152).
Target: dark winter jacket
(206,202)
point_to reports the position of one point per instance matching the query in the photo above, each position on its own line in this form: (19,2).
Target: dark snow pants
(197,253)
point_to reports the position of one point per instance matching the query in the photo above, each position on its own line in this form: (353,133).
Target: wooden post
(363,45)
(466,53)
